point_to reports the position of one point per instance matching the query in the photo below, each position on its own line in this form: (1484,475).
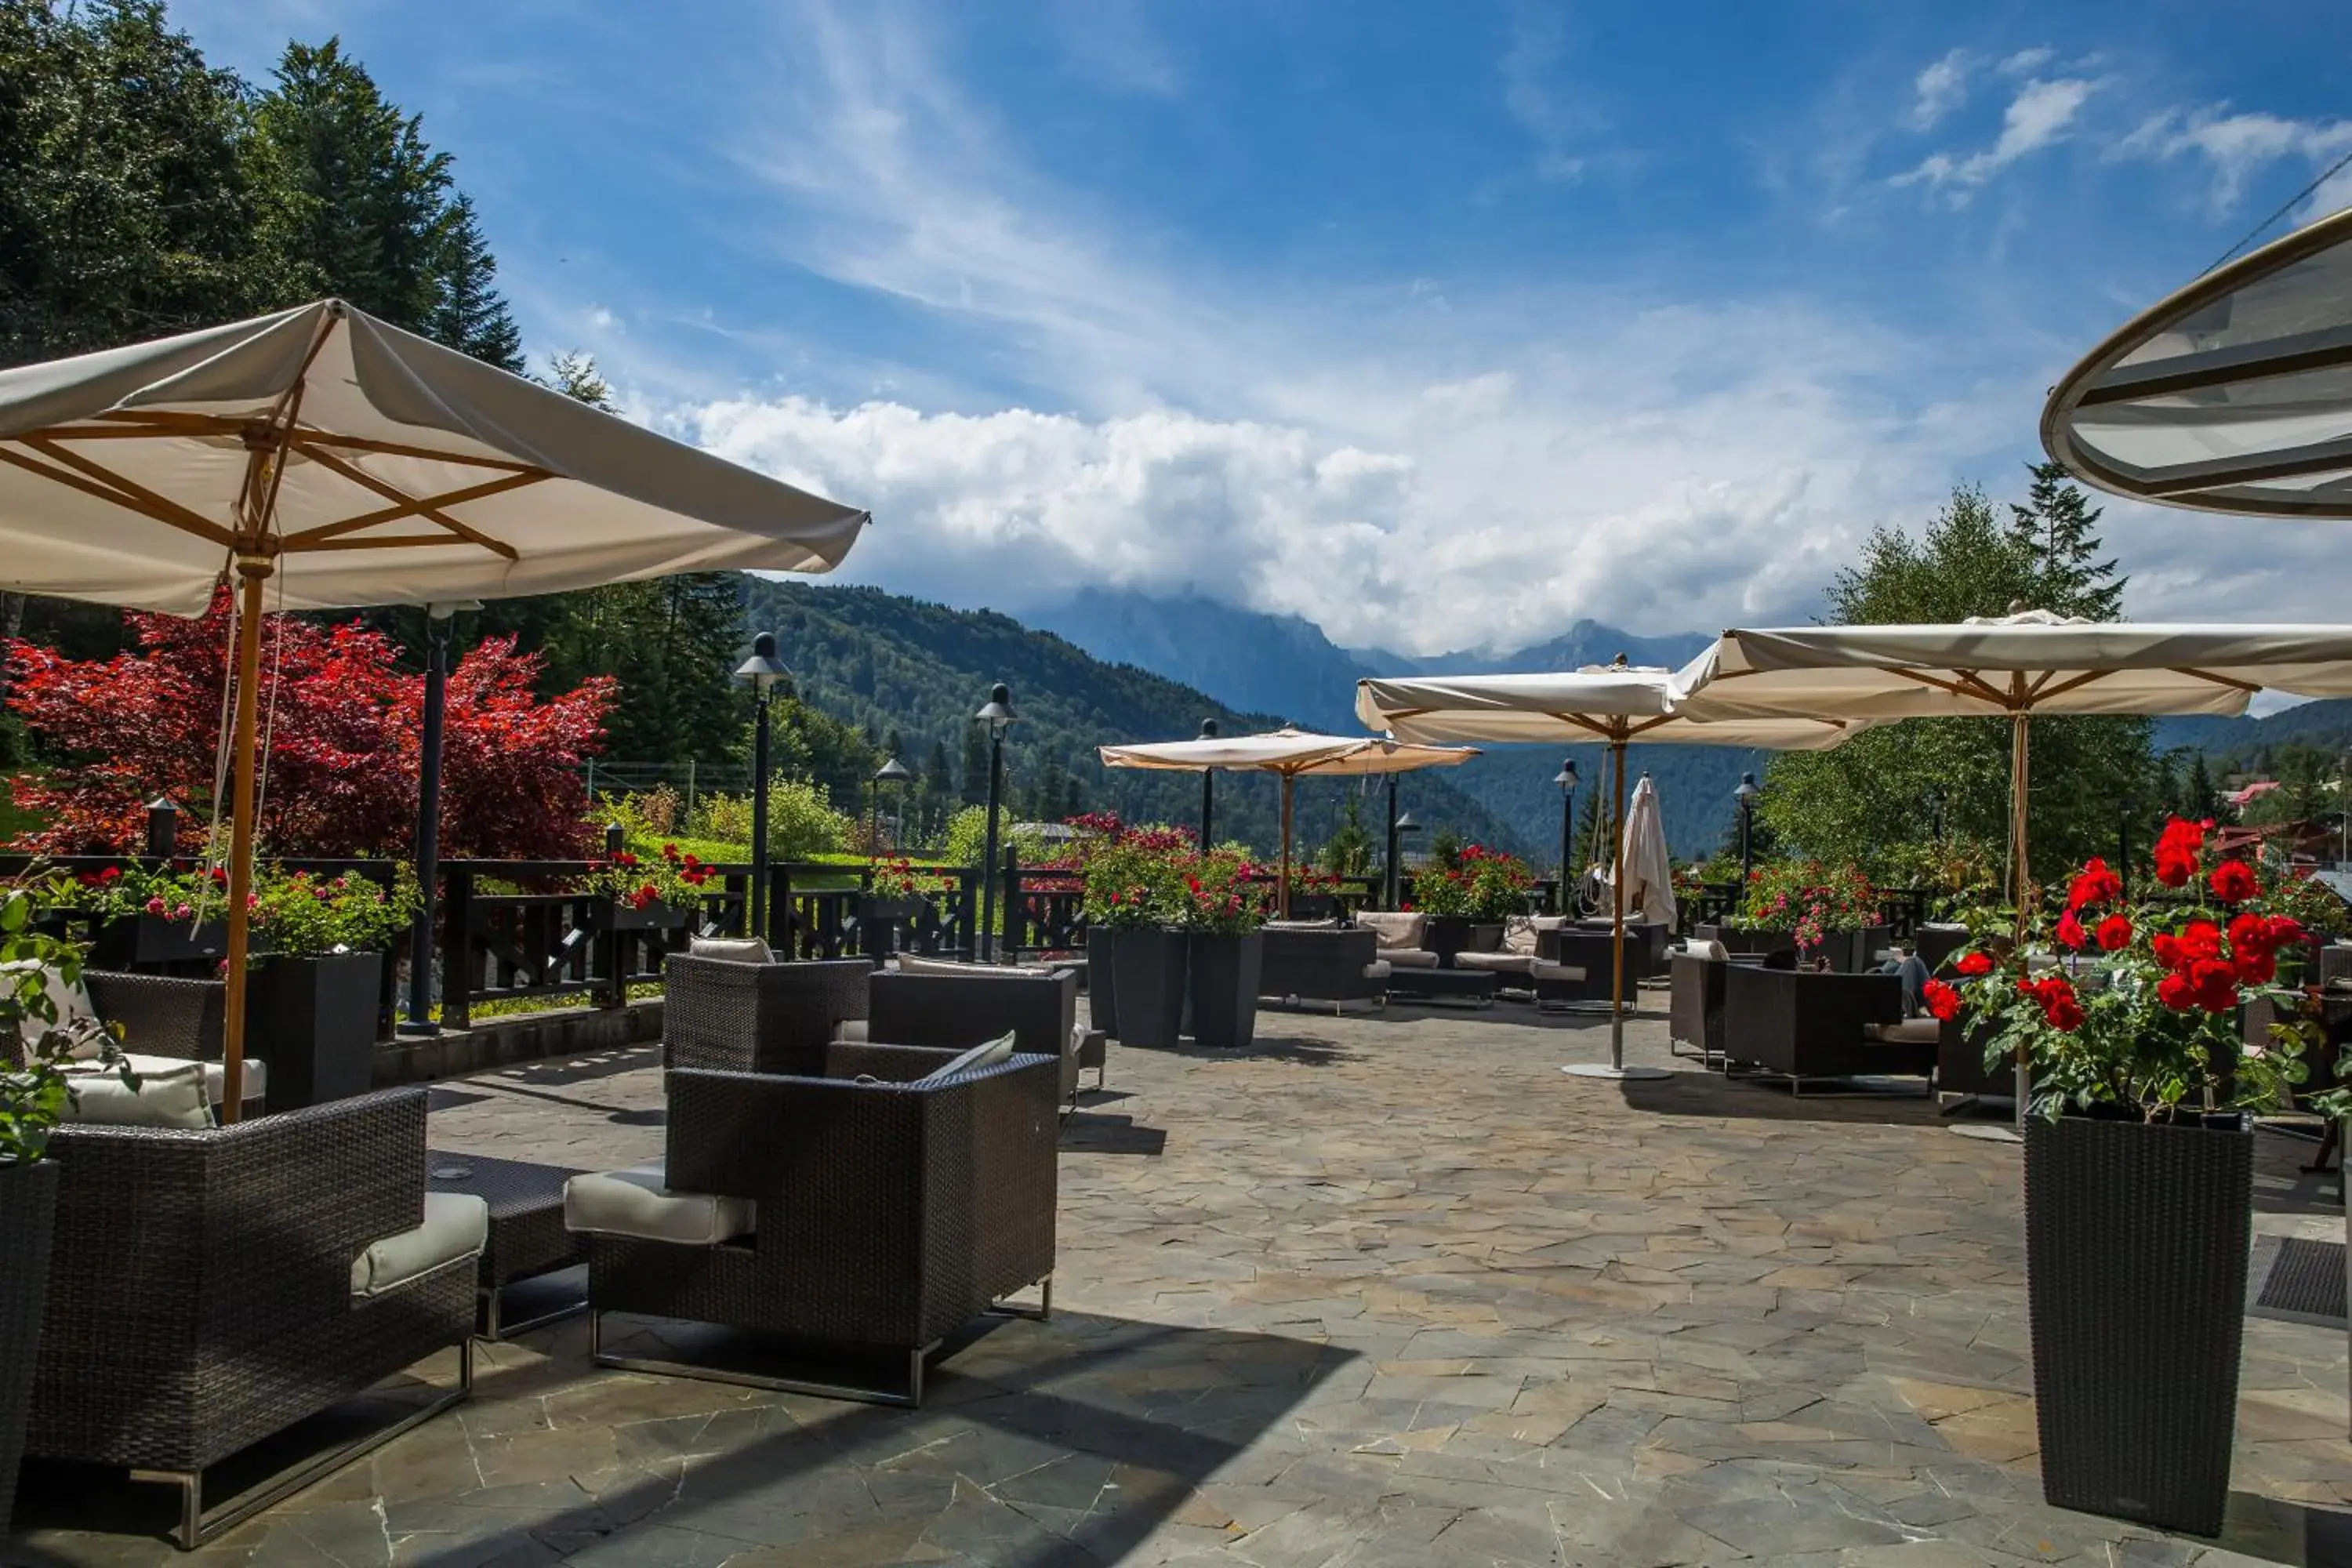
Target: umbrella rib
(310,538)
(391,492)
(1606,731)
(2248,687)
(312,438)
(2043,689)
(95,480)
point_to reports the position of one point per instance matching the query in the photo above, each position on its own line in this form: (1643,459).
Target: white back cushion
(172,1098)
(1393,929)
(71,1001)
(732,949)
(988,1055)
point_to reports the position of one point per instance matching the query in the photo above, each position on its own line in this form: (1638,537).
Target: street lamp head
(764,669)
(1405,824)
(998,713)
(1566,777)
(1747,793)
(892,771)
(442,609)
(1208,729)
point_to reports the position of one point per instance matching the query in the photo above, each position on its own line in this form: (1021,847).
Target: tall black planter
(314,1021)
(1102,979)
(28,1207)
(1151,968)
(1224,987)
(1446,936)
(2136,1238)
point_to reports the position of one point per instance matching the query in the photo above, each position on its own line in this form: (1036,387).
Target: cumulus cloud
(2037,117)
(2239,147)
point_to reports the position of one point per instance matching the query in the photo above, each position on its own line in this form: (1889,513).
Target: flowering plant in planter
(1808,900)
(1483,885)
(1132,880)
(1217,895)
(2151,1026)
(898,879)
(672,877)
(302,915)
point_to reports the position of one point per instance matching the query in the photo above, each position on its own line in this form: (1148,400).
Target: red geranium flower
(1942,1001)
(1974,962)
(2234,882)
(2114,933)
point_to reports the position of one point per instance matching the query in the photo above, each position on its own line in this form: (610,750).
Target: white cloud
(1531,93)
(2037,117)
(2025,61)
(2237,148)
(1942,87)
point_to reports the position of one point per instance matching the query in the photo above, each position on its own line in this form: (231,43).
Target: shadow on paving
(1694,1092)
(1056,1444)
(1305,1050)
(581,1068)
(1088,1133)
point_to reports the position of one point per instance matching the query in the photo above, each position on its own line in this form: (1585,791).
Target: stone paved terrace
(1386,1292)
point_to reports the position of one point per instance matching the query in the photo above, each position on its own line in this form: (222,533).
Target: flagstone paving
(1385,1292)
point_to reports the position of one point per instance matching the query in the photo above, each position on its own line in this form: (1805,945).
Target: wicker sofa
(859,1208)
(209,1287)
(957,1010)
(1805,1026)
(757,1017)
(1335,965)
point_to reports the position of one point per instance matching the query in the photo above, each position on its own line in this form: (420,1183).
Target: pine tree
(2054,528)
(2200,796)
(974,774)
(469,315)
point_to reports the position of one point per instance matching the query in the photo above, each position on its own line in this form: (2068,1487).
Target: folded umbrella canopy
(2233,395)
(2014,666)
(1287,753)
(1649,870)
(1619,704)
(322,458)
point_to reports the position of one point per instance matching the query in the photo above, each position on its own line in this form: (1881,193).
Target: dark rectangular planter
(2136,1238)
(151,939)
(1150,964)
(1226,971)
(1856,951)
(29,1208)
(611,914)
(882,924)
(314,1021)
(1446,936)
(1102,981)
(1748,941)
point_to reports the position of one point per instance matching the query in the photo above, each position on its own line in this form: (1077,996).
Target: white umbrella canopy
(2233,395)
(1649,871)
(323,458)
(1288,752)
(1620,704)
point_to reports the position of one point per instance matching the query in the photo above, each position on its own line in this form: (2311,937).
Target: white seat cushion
(457,1225)
(850,1032)
(1302,925)
(1909,1032)
(174,1097)
(635,1203)
(911,964)
(74,1013)
(1712,949)
(1410,957)
(215,1074)
(1393,929)
(1497,962)
(1378,969)
(986,1055)
(1569,972)
(731,949)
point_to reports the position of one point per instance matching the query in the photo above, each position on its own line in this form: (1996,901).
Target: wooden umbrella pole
(1282,894)
(253,572)
(1617,931)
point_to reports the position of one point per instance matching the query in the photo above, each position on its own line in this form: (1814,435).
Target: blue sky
(1439,325)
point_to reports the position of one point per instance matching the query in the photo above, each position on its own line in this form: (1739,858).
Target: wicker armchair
(888,1214)
(757,1017)
(1564,952)
(1338,965)
(163,1016)
(1801,1026)
(200,1292)
(956,1012)
(1696,1010)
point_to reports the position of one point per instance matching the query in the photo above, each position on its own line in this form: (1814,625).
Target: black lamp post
(1566,779)
(1208,788)
(437,628)
(765,671)
(892,771)
(1405,824)
(1746,796)
(999,717)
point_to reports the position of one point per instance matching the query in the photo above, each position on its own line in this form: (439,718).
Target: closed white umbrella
(326,458)
(2014,665)
(1649,871)
(1620,704)
(1286,752)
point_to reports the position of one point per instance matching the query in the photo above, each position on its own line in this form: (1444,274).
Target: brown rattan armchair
(1802,1026)
(161,1016)
(1696,1008)
(889,1213)
(202,1291)
(757,1017)
(1336,965)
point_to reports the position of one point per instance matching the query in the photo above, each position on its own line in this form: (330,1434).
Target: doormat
(2297,1280)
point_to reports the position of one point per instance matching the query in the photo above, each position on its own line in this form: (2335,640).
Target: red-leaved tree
(344,728)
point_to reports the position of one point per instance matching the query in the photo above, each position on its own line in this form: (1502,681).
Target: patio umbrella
(2014,665)
(2233,395)
(1649,871)
(1619,704)
(1286,752)
(323,458)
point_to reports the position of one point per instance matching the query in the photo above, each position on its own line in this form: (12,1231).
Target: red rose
(2234,882)
(2216,984)
(2096,885)
(157,907)
(2175,993)
(2114,933)
(112,874)
(1942,1001)
(2177,850)
(2256,965)
(2065,1014)
(2285,931)
(2070,932)
(1974,962)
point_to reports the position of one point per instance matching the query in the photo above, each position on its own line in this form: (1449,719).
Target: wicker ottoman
(527,1234)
